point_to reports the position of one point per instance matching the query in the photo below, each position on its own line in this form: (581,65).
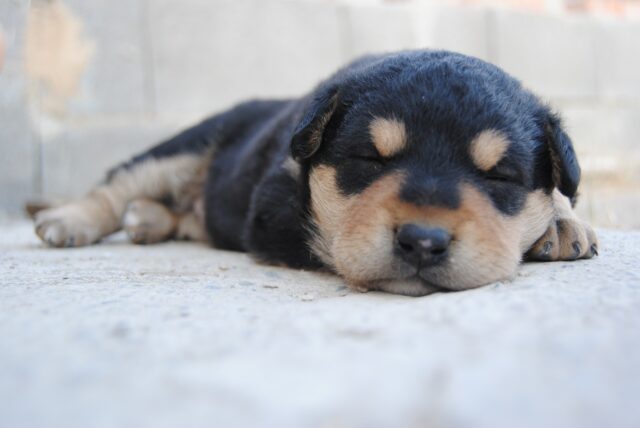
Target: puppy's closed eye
(504,174)
(367,155)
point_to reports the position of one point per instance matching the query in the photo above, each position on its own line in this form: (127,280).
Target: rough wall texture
(86,84)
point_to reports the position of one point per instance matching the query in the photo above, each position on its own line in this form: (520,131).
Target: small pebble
(308,297)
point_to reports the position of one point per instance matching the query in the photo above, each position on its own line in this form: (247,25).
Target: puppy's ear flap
(307,136)
(565,169)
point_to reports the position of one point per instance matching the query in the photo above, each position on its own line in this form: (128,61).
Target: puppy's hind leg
(148,222)
(79,223)
(164,172)
(99,214)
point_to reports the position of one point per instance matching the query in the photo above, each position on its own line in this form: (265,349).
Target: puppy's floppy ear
(307,136)
(565,169)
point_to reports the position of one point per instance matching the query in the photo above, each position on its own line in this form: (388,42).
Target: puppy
(407,172)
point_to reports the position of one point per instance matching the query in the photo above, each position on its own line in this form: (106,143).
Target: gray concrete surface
(181,335)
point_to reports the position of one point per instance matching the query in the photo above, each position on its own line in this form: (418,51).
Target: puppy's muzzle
(422,246)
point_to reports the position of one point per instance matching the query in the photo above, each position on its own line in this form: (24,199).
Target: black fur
(255,204)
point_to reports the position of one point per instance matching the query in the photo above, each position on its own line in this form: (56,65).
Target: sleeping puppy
(408,173)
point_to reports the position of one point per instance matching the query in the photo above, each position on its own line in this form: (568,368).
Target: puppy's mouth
(425,276)
(430,277)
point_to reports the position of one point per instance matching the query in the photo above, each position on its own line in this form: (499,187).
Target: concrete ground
(181,335)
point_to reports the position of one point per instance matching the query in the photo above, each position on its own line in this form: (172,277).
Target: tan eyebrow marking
(487,148)
(389,135)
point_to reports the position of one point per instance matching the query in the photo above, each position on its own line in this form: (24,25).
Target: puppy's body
(402,172)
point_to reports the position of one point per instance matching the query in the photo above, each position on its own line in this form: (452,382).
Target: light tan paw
(148,222)
(566,239)
(66,226)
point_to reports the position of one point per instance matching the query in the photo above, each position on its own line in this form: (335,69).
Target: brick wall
(86,84)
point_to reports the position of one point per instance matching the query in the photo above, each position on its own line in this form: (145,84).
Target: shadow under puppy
(406,172)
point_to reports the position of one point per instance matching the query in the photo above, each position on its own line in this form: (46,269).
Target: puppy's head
(429,169)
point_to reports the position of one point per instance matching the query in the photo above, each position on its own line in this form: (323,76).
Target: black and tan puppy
(406,172)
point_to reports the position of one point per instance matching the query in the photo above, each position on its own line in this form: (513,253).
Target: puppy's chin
(413,286)
(465,273)
(429,281)
(464,270)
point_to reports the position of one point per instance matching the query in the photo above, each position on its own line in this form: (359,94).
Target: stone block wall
(84,85)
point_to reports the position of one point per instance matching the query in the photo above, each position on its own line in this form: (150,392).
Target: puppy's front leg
(567,238)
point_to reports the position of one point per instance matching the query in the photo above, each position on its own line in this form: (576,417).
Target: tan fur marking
(389,136)
(327,206)
(487,148)
(562,205)
(534,219)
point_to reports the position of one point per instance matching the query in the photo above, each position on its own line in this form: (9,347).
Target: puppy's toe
(592,242)
(573,239)
(148,222)
(547,247)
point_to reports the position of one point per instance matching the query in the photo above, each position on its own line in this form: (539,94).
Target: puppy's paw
(565,239)
(66,226)
(148,222)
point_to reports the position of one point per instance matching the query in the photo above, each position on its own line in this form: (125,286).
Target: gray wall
(88,83)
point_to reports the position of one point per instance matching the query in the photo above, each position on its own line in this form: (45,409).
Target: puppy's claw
(577,249)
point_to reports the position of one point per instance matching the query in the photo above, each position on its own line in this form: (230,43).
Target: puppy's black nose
(422,246)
